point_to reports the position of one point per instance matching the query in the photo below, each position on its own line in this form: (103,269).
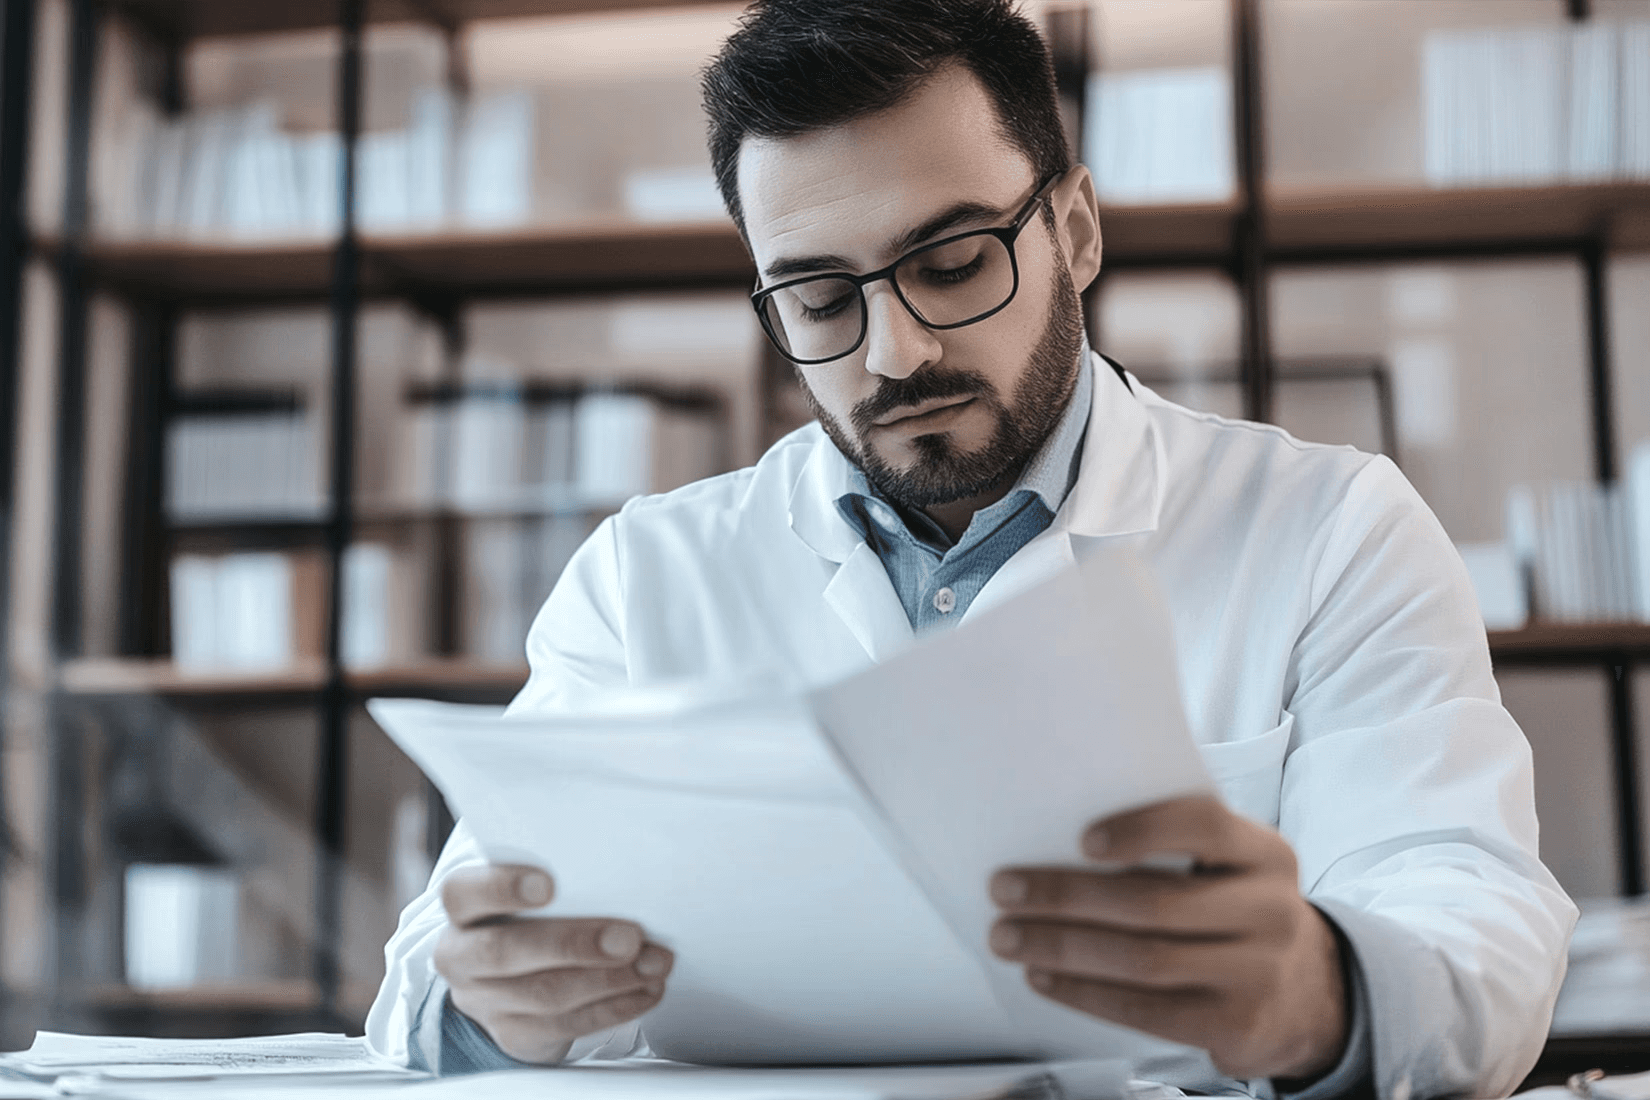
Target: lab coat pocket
(1249,772)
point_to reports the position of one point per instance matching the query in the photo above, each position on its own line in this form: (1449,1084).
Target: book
(495,157)
(1636,516)
(180,926)
(1529,105)
(233,611)
(1160,135)
(243,465)
(1497,582)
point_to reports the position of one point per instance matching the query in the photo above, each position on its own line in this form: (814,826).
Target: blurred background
(270,451)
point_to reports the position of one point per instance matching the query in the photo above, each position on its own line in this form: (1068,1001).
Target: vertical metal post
(16,83)
(1249,244)
(142,623)
(144,585)
(1070,36)
(66,761)
(1623,738)
(1593,261)
(1624,756)
(73,298)
(332,759)
(1068,42)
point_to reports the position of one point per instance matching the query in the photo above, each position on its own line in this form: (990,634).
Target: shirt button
(944,601)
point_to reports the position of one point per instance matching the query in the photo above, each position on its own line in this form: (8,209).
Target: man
(1368,909)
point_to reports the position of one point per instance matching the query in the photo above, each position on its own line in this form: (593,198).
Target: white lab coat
(1334,669)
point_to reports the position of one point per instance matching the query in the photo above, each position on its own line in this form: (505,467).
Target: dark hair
(795,66)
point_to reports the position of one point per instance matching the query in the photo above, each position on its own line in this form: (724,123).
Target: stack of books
(1160,135)
(1584,547)
(1537,104)
(235,173)
(262,611)
(502,449)
(243,465)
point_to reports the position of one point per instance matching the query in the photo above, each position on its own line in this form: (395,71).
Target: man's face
(932,417)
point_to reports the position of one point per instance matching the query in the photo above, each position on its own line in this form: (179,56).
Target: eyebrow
(949,218)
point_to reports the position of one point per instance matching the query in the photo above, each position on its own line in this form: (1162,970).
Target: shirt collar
(1118,466)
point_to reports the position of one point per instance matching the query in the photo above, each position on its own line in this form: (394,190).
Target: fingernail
(1041,980)
(1006,939)
(533,888)
(652,964)
(619,941)
(1009,889)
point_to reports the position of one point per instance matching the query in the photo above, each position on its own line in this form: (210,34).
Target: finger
(546,994)
(474,894)
(1182,1015)
(612,1012)
(1198,825)
(1131,958)
(509,948)
(1209,905)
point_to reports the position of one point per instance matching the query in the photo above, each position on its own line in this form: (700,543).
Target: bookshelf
(1244,236)
(201,18)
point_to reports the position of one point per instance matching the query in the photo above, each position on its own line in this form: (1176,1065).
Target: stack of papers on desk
(62,1064)
(819,862)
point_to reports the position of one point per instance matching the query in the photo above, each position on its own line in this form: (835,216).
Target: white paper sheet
(647,1079)
(95,1061)
(816,920)
(998,745)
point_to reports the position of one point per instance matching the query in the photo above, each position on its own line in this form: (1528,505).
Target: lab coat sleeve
(1408,798)
(575,647)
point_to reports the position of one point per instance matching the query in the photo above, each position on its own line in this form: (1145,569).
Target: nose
(896,343)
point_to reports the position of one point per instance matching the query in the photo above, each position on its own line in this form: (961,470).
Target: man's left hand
(1228,957)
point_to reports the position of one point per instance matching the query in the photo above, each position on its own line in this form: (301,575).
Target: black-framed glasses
(947,284)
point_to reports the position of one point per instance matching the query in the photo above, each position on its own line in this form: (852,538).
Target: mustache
(927,384)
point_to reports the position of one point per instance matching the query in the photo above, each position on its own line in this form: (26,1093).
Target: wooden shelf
(1543,641)
(190,269)
(1443,217)
(1154,232)
(196,18)
(596,255)
(442,674)
(615,254)
(137,676)
(275,995)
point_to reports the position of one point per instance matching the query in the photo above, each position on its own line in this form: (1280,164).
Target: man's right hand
(535,984)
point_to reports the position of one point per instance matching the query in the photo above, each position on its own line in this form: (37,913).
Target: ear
(1077,224)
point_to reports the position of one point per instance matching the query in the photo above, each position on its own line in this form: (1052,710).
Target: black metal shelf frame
(1247,261)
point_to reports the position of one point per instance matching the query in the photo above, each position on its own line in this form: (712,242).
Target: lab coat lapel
(863,597)
(1118,490)
(859,592)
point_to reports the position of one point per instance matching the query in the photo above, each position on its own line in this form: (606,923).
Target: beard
(943,472)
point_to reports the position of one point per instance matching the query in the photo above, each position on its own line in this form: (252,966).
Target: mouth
(912,415)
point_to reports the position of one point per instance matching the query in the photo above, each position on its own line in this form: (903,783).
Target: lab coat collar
(1119,488)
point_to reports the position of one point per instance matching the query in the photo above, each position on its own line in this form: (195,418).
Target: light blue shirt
(937,579)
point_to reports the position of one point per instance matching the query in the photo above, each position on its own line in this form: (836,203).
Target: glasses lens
(817,319)
(957,281)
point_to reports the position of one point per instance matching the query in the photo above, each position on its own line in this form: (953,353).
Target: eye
(951,263)
(950,276)
(826,310)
